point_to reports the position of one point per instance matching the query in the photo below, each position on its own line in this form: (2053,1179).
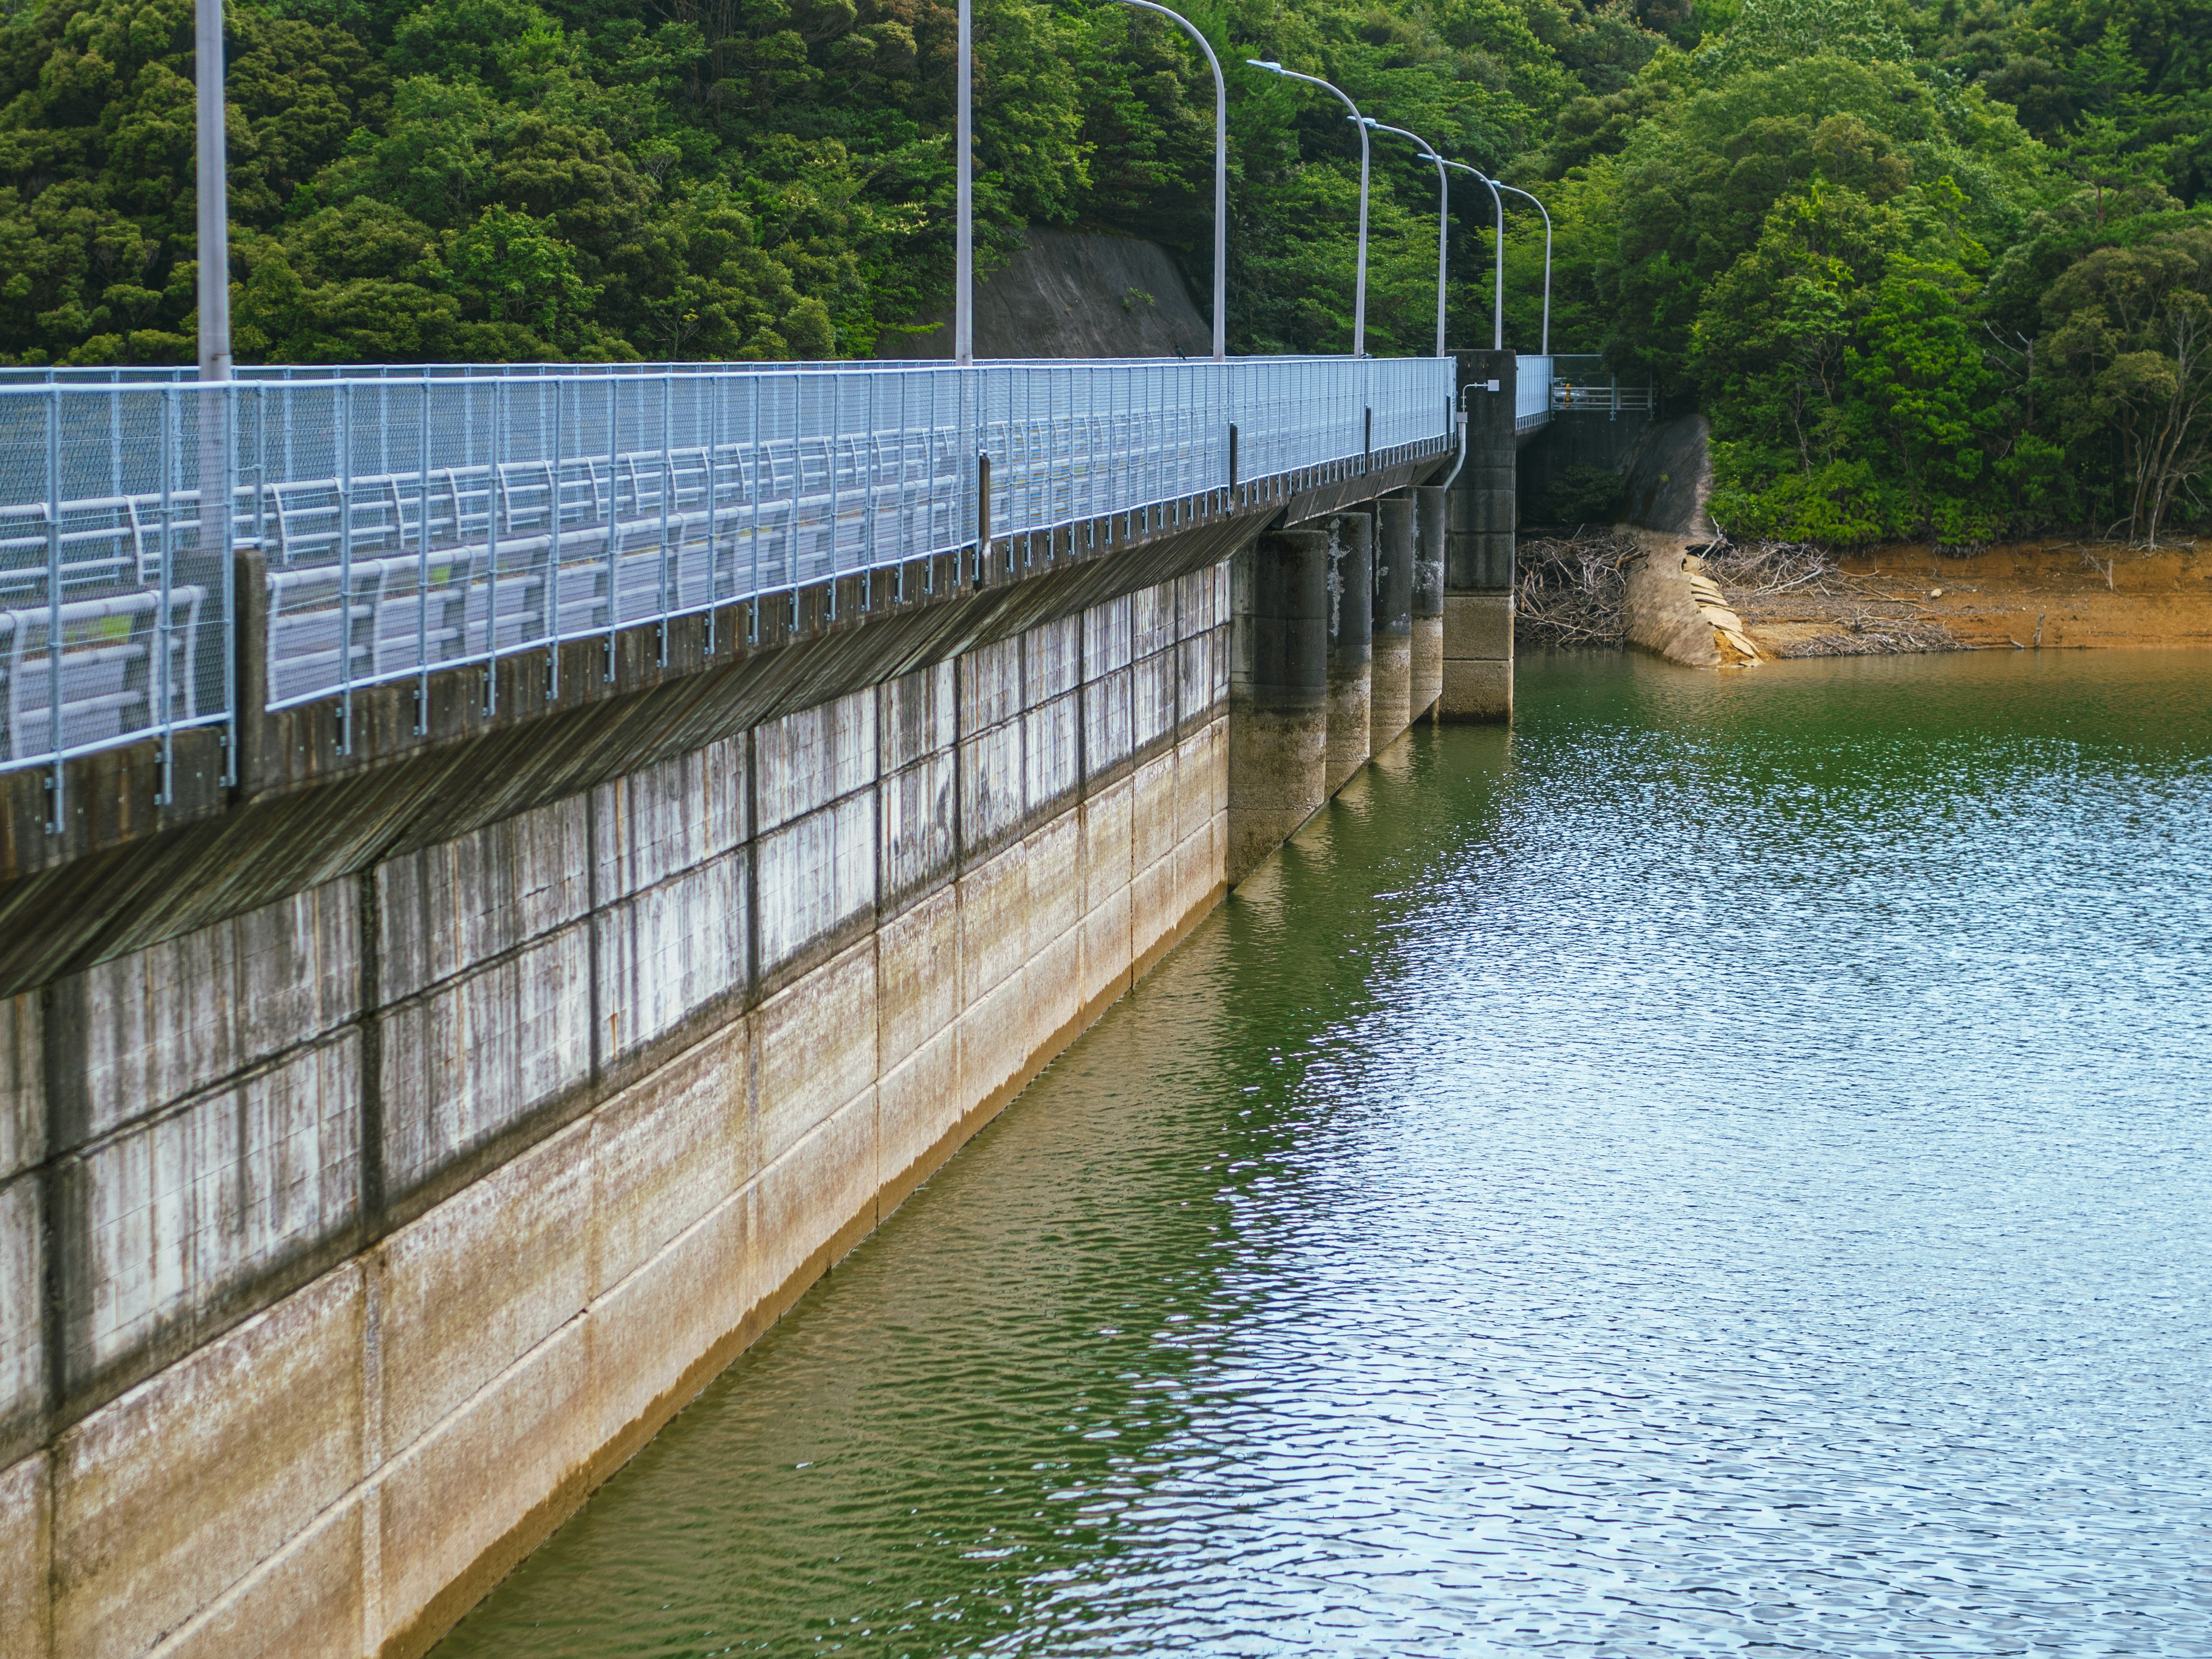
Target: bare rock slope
(1074,293)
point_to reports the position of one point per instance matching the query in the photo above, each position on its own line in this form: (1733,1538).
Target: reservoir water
(1724,1167)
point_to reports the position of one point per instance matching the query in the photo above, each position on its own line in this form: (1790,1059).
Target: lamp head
(1272,67)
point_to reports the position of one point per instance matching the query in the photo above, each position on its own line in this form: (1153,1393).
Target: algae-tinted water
(1727,1166)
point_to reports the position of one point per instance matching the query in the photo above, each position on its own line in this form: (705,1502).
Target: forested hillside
(1933,270)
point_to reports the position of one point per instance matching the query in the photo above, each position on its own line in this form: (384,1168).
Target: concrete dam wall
(391,1145)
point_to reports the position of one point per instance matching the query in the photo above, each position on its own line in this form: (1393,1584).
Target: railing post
(344,433)
(553,558)
(423,576)
(54,606)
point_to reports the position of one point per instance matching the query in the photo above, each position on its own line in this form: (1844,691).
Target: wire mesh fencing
(414,520)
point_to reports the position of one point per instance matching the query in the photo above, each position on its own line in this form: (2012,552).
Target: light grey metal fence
(418,522)
(1582,383)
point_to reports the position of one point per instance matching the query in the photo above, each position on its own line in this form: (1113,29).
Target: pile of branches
(1871,635)
(1571,588)
(1755,571)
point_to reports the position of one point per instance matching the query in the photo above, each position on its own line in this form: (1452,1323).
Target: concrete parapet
(1277,693)
(1351,644)
(1390,711)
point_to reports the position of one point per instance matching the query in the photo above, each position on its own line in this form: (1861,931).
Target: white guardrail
(417,517)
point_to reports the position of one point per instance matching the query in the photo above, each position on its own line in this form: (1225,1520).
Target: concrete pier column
(1479,548)
(1351,644)
(1277,693)
(1391,710)
(1427,677)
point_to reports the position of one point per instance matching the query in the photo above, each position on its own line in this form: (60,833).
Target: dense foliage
(1934,270)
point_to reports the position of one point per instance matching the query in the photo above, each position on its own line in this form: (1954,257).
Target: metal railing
(412,521)
(1532,401)
(1581,383)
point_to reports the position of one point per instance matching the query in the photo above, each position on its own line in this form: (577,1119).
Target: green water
(1722,1167)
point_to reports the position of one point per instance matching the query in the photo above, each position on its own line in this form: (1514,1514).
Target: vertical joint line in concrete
(370,990)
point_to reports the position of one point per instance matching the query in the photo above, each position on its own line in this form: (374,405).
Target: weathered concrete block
(995,1037)
(1052,751)
(152,1027)
(1478,690)
(1153,810)
(1104,967)
(805,761)
(444,909)
(477,1056)
(1055,905)
(304,1602)
(26,1558)
(917,976)
(477,1282)
(917,821)
(991,784)
(1054,975)
(990,684)
(22,1084)
(160,1221)
(1052,659)
(1200,682)
(22,1304)
(1426,673)
(1153,910)
(1201,778)
(671,1308)
(669,950)
(1198,600)
(915,716)
(1151,698)
(1106,722)
(1478,625)
(819,1194)
(918,1103)
(815,874)
(1199,871)
(164,1498)
(1390,693)
(1107,641)
(451,1511)
(1108,836)
(994,899)
(668,1149)
(1151,620)
(1351,721)
(667,818)
(817,1047)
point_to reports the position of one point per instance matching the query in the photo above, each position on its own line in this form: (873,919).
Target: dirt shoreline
(1794,601)
(2044,594)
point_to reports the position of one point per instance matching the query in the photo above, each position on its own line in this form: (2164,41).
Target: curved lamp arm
(1359,293)
(1444,217)
(1220,173)
(1546,212)
(1498,303)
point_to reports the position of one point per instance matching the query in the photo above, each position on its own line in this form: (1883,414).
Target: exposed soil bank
(2029,593)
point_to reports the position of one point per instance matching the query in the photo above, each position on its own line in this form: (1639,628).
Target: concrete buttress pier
(1431,509)
(1351,644)
(1277,693)
(1477,600)
(1391,703)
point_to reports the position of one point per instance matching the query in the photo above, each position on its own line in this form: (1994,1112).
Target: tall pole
(1443,219)
(213,184)
(1498,302)
(963,257)
(1359,289)
(1546,212)
(1220,177)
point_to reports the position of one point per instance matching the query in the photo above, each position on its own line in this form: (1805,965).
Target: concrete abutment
(1351,638)
(1479,575)
(1390,710)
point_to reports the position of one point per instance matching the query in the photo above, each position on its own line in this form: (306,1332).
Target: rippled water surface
(1726,1167)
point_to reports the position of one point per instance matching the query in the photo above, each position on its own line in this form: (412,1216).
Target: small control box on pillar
(1480,512)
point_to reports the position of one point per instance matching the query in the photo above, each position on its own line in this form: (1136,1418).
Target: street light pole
(1546,212)
(1443,219)
(1220,176)
(1498,302)
(963,255)
(1359,292)
(213,183)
